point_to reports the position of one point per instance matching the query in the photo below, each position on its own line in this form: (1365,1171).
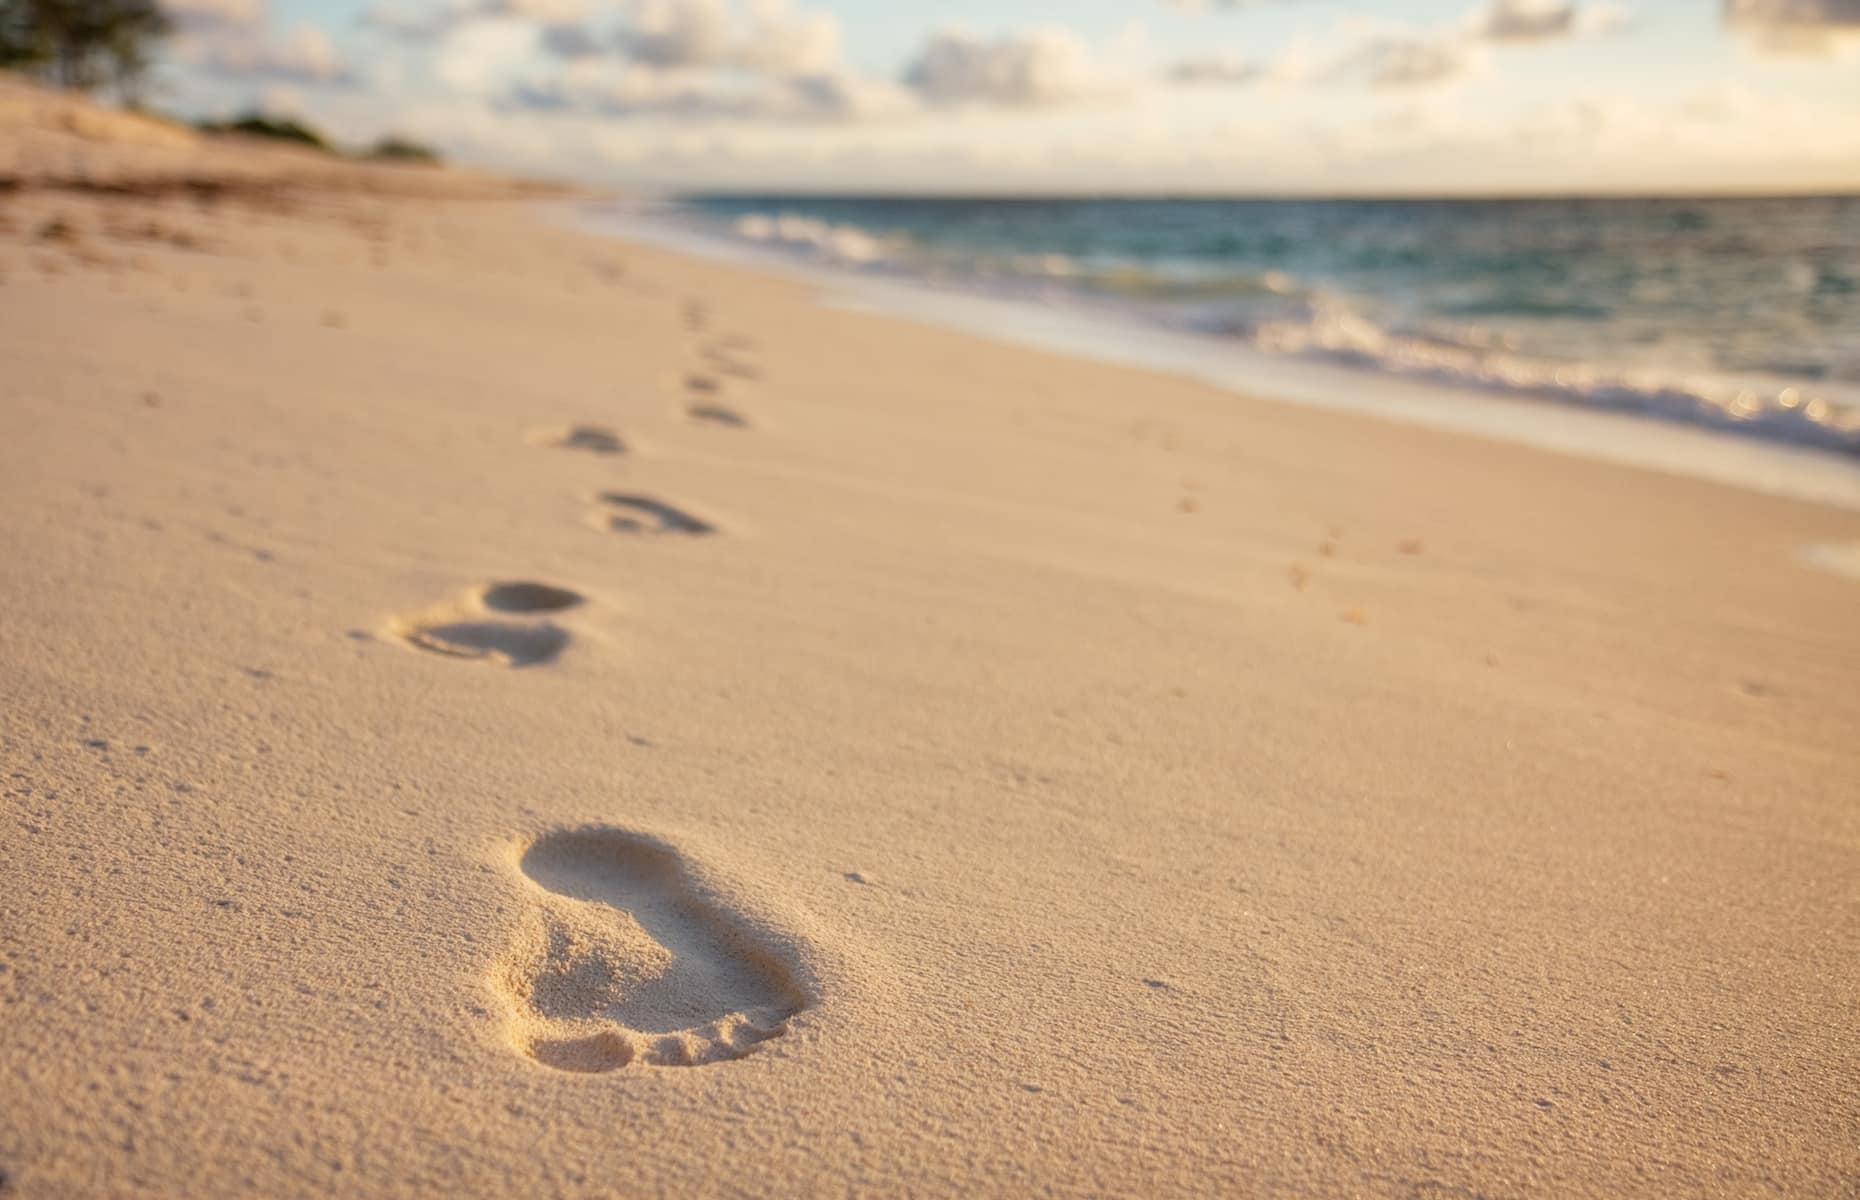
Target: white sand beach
(439,761)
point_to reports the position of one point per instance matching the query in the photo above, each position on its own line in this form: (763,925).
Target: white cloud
(704,59)
(247,51)
(1201,6)
(231,39)
(544,12)
(1799,27)
(1542,20)
(710,97)
(1391,57)
(680,33)
(215,14)
(781,42)
(1408,61)
(1041,67)
(769,39)
(305,55)
(701,60)
(1215,68)
(1526,20)
(483,57)
(428,22)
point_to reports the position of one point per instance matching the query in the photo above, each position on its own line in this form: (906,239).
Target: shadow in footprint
(527,597)
(501,641)
(593,438)
(631,962)
(628,513)
(717,414)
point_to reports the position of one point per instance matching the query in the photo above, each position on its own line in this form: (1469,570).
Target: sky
(1008,96)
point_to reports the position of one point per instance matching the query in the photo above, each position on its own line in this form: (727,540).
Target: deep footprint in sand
(595,439)
(623,512)
(463,630)
(625,960)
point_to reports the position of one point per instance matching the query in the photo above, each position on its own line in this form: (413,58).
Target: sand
(438,760)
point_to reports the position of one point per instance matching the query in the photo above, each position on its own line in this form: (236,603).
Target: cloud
(545,12)
(570,42)
(481,58)
(231,39)
(305,55)
(1526,20)
(1039,68)
(1215,68)
(1201,6)
(680,33)
(1390,57)
(1542,20)
(703,60)
(684,96)
(1800,27)
(790,43)
(215,14)
(419,23)
(1409,61)
(769,38)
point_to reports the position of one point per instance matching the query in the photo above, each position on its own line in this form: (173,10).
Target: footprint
(627,513)
(462,630)
(626,960)
(502,641)
(717,414)
(526,597)
(595,439)
(727,364)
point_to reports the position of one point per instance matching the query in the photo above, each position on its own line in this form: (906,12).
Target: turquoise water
(1741,315)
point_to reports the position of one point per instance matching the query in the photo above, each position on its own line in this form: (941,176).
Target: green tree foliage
(403,150)
(83,43)
(258,125)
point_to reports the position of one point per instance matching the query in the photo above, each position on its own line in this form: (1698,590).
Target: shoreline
(500,711)
(1768,466)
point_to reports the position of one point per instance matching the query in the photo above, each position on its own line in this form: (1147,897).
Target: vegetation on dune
(391,149)
(394,148)
(283,129)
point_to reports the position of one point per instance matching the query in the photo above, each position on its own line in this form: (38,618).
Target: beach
(490,709)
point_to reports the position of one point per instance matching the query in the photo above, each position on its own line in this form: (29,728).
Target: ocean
(1741,315)
(1718,338)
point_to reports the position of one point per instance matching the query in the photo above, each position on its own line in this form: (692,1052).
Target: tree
(20,44)
(83,43)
